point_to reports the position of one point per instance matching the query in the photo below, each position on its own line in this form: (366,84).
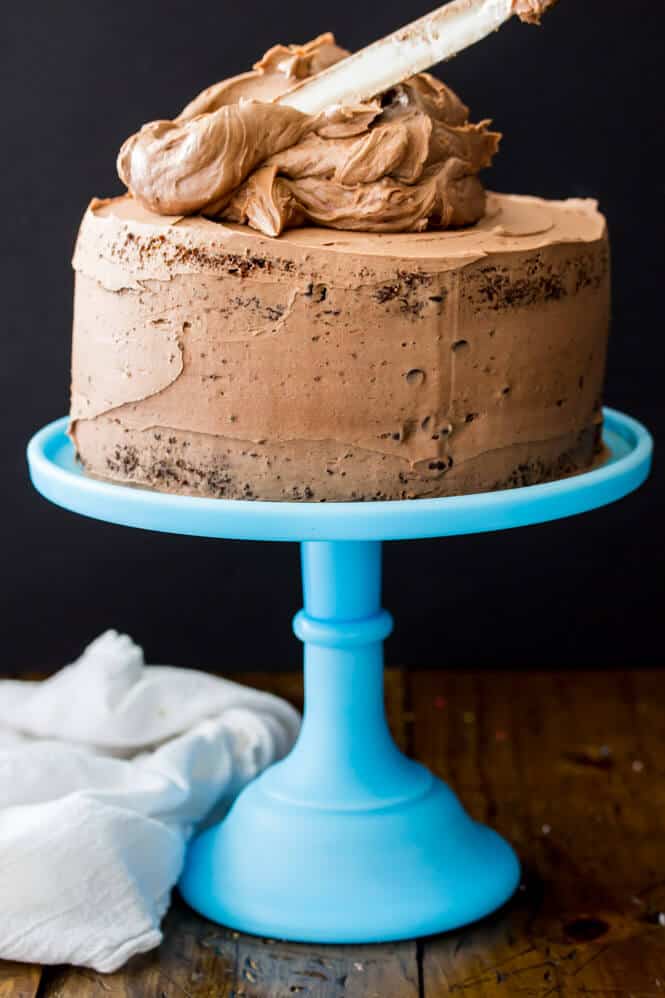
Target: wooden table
(569,766)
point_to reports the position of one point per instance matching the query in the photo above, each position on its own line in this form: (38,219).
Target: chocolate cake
(346,317)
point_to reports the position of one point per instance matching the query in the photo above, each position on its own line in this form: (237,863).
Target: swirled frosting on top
(405,162)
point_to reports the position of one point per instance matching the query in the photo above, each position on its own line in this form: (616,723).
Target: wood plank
(199,959)
(271,969)
(569,767)
(19,980)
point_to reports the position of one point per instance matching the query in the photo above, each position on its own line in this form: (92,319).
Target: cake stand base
(345,840)
(276,868)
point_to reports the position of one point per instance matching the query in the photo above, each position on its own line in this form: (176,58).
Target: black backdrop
(580,104)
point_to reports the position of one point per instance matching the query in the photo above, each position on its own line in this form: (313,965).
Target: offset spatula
(412,49)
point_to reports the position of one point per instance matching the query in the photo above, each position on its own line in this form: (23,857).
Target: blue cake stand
(345,840)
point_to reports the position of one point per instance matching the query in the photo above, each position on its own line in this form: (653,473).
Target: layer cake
(211,359)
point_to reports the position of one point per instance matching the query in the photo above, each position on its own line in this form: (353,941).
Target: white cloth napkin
(105,769)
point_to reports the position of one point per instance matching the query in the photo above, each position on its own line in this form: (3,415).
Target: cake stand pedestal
(346,839)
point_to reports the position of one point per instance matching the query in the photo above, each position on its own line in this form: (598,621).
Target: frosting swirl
(531,11)
(404,162)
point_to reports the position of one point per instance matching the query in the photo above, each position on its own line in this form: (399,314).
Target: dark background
(580,105)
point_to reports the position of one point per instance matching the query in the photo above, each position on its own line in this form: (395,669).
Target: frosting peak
(404,162)
(531,11)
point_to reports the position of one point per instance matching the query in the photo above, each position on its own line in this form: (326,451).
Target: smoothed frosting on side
(405,162)
(474,342)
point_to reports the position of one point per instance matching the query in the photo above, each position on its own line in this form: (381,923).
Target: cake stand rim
(54,474)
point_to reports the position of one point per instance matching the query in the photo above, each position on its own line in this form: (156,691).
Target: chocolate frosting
(211,359)
(531,11)
(405,162)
